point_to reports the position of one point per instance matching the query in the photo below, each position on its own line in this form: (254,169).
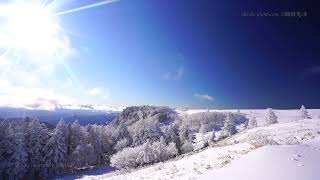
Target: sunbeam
(35,47)
(86,7)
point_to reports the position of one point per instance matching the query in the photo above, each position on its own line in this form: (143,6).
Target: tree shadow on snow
(88,172)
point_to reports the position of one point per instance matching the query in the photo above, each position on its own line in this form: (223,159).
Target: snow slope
(250,154)
(294,162)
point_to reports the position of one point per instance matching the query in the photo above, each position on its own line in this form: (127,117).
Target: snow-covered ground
(294,162)
(287,150)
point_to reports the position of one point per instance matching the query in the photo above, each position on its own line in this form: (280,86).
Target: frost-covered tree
(95,138)
(304,112)
(229,125)
(6,145)
(270,117)
(76,135)
(107,144)
(212,138)
(213,120)
(185,134)
(203,128)
(170,133)
(162,151)
(159,150)
(56,150)
(126,158)
(121,144)
(146,155)
(19,159)
(172,150)
(252,123)
(117,133)
(37,137)
(148,128)
(82,156)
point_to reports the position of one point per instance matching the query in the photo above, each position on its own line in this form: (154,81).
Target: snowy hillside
(289,149)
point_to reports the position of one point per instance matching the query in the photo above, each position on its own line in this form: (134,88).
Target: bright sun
(30,28)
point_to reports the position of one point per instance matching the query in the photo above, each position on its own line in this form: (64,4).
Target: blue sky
(129,52)
(181,54)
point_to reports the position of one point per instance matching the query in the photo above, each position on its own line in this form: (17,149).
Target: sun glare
(30,28)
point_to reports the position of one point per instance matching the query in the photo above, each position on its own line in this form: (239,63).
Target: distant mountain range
(86,114)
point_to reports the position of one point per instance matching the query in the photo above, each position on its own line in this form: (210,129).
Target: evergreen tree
(252,123)
(304,112)
(185,134)
(270,117)
(95,138)
(37,136)
(229,125)
(6,146)
(82,156)
(76,135)
(212,138)
(56,149)
(19,159)
(203,128)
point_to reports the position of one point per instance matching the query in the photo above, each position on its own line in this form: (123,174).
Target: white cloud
(99,92)
(203,97)
(95,92)
(31,85)
(177,74)
(34,98)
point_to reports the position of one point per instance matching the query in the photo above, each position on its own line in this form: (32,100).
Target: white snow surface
(246,156)
(294,162)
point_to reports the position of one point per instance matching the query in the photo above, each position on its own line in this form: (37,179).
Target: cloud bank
(203,97)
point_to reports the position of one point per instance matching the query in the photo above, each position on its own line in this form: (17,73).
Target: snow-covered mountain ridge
(59,107)
(91,107)
(86,114)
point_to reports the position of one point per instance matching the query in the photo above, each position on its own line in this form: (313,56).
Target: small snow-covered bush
(292,140)
(187,147)
(127,158)
(172,150)
(147,153)
(259,140)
